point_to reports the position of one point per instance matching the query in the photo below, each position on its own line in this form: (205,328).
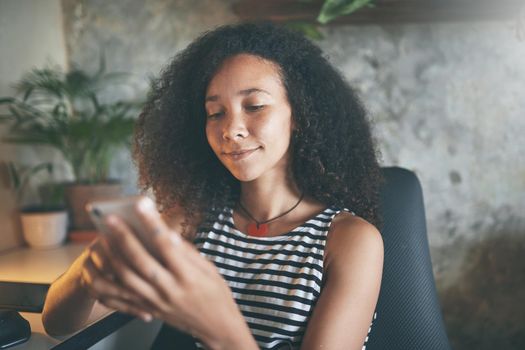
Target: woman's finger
(99,286)
(98,255)
(129,246)
(124,306)
(128,257)
(103,287)
(177,254)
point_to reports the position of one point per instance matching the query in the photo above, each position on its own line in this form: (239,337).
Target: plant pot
(44,228)
(78,195)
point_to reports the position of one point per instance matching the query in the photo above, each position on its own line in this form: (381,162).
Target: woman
(259,155)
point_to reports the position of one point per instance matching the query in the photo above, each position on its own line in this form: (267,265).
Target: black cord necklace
(260,228)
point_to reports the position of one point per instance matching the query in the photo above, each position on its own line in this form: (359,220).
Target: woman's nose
(234,127)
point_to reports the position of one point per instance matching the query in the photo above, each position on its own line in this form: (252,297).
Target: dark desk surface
(81,340)
(116,330)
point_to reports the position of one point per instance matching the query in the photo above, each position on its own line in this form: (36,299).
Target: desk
(37,265)
(44,266)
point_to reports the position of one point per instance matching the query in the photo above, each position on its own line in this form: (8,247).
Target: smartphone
(125,208)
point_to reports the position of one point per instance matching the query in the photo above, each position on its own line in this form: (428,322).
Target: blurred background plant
(50,194)
(330,10)
(334,8)
(63,110)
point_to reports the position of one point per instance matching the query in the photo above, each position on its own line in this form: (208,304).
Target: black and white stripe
(275,281)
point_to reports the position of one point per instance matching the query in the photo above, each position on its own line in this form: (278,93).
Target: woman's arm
(182,288)
(353,270)
(69,307)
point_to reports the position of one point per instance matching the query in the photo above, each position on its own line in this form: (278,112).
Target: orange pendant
(257,230)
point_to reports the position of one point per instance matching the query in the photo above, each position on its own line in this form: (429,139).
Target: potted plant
(44,223)
(63,110)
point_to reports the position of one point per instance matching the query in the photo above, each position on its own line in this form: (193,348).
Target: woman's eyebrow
(244,92)
(247,92)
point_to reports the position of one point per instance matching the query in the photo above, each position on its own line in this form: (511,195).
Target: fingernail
(147,318)
(145,204)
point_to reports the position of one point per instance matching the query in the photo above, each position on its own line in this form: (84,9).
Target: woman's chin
(244,174)
(245,177)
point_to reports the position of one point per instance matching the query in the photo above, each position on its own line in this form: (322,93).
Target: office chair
(408,311)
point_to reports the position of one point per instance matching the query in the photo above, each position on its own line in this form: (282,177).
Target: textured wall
(449,103)
(448,100)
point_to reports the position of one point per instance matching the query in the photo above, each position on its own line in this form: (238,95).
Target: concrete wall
(31,34)
(449,103)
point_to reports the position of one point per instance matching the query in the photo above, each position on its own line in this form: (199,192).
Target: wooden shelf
(384,12)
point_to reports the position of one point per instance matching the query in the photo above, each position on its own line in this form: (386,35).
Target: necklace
(260,228)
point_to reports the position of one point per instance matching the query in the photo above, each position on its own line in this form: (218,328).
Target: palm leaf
(47,81)
(28,93)
(7,100)
(334,8)
(30,173)
(13,174)
(62,110)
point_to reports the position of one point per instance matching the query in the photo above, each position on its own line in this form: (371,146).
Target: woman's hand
(97,276)
(182,288)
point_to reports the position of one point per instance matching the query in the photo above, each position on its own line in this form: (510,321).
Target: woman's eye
(254,108)
(214,115)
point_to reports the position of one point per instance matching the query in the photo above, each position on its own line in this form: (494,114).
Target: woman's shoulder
(350,235)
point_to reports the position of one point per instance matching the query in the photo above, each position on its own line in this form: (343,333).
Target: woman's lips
(241,154)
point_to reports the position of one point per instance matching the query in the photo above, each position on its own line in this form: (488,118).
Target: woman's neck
(267,200)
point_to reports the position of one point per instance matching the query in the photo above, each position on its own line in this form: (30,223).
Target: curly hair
(333,156)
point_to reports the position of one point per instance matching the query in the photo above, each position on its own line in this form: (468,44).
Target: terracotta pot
(44,229)
(78,195)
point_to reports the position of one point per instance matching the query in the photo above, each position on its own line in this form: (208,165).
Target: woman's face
(249,118)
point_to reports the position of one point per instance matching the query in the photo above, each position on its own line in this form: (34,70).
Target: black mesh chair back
(408,311)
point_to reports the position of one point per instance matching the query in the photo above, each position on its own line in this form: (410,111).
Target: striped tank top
(275,281)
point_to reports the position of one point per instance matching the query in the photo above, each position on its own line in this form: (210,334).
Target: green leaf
(334,8)
(24,113)
(48,81)
(32,171)
(16,115)
(13,175)
(52,194)
(28,93)
(5,100)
